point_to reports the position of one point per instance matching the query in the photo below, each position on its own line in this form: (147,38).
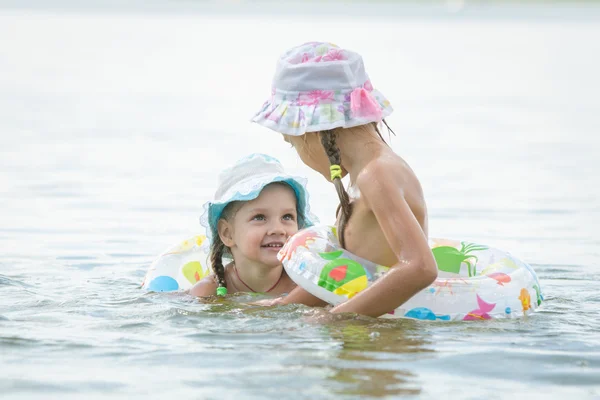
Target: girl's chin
(271,261)
(269,256)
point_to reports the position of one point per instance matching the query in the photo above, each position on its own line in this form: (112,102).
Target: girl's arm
(416,267)
(301,296)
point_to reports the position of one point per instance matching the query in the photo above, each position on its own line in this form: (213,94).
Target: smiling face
(260,227)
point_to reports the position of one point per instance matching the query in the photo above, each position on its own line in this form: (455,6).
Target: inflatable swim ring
(475,282)
(180,267)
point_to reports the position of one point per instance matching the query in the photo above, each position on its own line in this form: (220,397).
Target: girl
(324,105)
(257,206)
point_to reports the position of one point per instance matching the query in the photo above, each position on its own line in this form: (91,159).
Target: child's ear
(225,231)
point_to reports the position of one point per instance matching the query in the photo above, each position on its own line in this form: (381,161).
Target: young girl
(257,206)
(324,105)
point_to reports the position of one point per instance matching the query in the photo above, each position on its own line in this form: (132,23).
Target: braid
(216,259)
(333,153)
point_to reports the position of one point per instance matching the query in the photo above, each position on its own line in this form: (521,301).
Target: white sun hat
(319,86)
(245,180)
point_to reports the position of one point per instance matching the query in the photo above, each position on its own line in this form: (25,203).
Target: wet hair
(328,140)
(333,153)
(218,248)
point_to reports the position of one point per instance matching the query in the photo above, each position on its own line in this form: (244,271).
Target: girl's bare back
(363,233)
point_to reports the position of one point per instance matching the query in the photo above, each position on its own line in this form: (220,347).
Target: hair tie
(336,171)
(221,291)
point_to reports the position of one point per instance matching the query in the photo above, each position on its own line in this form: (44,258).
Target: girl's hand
(301,296)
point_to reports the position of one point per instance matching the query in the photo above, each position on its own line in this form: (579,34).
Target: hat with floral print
(245,180)
(319,86)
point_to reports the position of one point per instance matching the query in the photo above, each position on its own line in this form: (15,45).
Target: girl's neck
(358,149)
(254,277)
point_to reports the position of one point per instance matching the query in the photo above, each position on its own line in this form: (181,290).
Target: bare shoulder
(384,175)
(206,287)
(388,183)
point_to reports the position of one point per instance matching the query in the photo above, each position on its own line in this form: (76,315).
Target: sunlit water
(114,124)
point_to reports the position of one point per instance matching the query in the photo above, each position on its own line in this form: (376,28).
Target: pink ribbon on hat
(364,105)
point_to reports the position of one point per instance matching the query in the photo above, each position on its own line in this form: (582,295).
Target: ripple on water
(501,162)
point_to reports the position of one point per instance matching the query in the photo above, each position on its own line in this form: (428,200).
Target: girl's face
(260,227)
(311,152)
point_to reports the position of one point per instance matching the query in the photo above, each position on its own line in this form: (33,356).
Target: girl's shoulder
(205,287)
(392,170)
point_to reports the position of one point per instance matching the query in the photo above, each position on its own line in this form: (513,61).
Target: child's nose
(277,228)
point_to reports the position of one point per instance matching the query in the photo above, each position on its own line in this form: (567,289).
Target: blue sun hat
(244,182)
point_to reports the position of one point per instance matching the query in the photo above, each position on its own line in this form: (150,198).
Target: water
(114,122)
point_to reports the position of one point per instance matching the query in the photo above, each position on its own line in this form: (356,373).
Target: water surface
(114,123)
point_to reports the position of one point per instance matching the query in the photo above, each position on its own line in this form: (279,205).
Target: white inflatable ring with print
(180,267)
(475,282)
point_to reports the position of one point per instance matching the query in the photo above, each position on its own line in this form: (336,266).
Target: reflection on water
(366,336)
(375,382)
(367,365)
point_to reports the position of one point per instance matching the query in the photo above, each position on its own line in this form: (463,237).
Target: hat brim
(290,118)
(250,190)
